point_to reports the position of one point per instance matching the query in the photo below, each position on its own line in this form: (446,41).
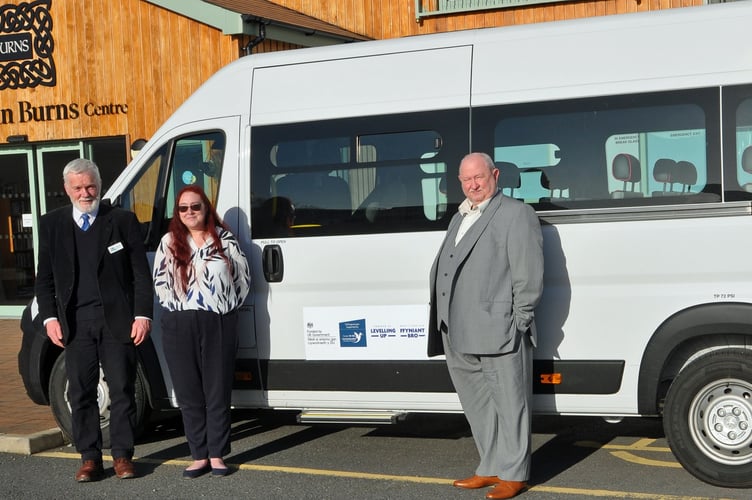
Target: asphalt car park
(275,457)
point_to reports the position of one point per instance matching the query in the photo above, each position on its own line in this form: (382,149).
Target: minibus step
(349,417)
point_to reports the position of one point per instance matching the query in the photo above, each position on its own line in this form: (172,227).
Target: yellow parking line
(616,494)
(348,474)
(640,444)
(629,457)
(407,479)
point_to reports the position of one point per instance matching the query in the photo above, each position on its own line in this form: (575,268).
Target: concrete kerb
(32,443)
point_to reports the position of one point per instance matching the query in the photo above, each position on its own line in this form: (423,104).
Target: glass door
(18,202)
(31,184)
(50,163)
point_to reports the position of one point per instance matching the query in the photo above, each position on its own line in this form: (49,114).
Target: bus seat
(546,183)
(686,175)
(315,190)
(319,199)
(626,168)
(664,171)
(544,180)
(397,194)
(509,177)
(553,179)
(441,206)
(388,196)
(274,218)
(747,167)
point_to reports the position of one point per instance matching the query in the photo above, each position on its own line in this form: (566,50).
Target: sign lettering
(26,112)
(15,47)
(26,46)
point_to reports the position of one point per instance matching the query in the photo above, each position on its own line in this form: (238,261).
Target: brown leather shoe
(474,482)
(506,489)
(124,468)
(91,470)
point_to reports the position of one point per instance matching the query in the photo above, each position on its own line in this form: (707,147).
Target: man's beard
(88,209)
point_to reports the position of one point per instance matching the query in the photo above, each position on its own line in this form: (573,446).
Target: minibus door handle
(274,265)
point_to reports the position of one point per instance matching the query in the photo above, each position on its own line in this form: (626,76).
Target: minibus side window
(307,189)
(194,159)
(744,145)
(413,189)
(737,142)
(671,163)
(310,183)
(139,198)
(652,149)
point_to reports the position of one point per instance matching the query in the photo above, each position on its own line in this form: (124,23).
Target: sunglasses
(194,207)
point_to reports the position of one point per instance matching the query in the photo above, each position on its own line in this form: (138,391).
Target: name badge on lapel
(115,247)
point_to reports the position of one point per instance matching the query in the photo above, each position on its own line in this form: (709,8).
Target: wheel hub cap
(721,421)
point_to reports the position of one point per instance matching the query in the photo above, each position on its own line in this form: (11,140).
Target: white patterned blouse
(212,284)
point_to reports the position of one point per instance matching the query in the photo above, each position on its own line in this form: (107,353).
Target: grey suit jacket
(498,282)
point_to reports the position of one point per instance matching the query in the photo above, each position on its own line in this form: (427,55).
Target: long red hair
(180,248)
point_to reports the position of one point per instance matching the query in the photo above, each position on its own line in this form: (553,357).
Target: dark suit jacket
(123,273)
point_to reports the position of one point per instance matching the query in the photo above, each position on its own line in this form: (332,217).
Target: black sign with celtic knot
(26,46)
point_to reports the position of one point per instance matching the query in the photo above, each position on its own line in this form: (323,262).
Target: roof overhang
(244,17)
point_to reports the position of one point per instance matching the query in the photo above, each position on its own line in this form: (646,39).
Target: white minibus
(630,135)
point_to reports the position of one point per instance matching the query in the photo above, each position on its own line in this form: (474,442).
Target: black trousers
(200,349)
(90,345)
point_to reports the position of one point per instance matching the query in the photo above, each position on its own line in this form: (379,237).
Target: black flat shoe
(194,473)
(220,471)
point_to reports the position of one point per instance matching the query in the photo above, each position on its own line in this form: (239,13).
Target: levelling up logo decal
(352,333)
(26,46)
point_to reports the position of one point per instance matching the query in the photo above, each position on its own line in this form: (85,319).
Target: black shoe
(194,473)
(220,471)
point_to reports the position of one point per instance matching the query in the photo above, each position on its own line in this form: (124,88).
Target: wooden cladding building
(111,68)
(397,18)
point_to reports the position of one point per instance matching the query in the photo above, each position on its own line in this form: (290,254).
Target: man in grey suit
(485,283)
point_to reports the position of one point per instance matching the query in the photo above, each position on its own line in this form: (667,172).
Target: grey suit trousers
(496,392)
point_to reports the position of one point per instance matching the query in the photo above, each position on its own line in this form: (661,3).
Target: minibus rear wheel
(707,418)
(61,407)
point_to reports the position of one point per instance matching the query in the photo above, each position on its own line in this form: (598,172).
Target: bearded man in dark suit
(95,297)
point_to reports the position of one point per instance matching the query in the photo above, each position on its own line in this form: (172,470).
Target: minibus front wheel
(707,417)
(61,407)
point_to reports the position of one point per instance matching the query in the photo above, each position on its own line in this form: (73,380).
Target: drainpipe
(260,38)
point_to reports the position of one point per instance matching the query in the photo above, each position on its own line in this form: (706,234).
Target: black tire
(61,408)
(707,418)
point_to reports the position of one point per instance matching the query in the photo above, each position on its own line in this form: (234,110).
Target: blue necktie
(85,224)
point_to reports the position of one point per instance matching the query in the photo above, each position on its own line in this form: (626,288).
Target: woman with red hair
(201,278)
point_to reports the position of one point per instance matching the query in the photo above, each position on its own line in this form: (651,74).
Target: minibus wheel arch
(679,337)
